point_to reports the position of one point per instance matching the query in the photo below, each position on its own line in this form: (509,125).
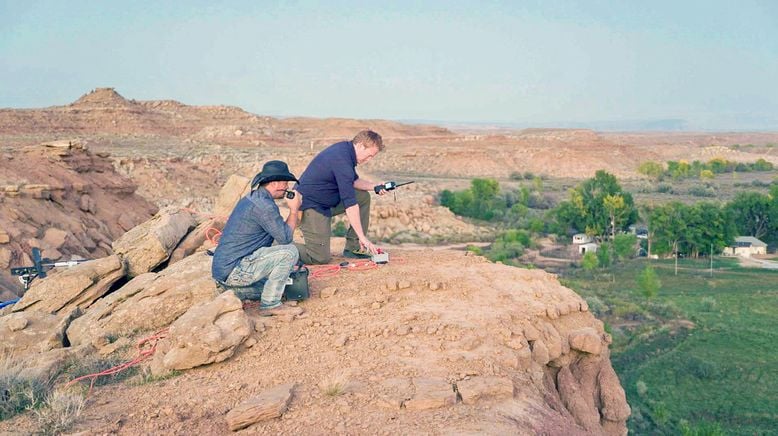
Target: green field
(698,358)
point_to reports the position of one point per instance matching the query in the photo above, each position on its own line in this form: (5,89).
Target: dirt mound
(101,98)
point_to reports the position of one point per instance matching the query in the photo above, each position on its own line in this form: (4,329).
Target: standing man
(331,186)
(245,254)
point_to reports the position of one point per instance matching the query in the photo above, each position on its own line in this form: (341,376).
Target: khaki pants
(317,230)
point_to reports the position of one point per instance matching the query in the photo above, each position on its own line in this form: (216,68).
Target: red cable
(143,354)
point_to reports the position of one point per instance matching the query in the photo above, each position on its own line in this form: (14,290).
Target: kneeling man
(246,254)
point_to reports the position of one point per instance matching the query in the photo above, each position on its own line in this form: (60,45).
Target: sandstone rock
(74,287)
(540,352)
(207,333)
(149,244)
(485,388)
(431,393)
(615,408)
(55,237)
(5,258)
(269,404)
(586,340)
(87,204)
(553,341)
(48,364)
(577,402)
(232,191)
(30,333)
(194,239)
(4,238)
(148,302)
(125,222)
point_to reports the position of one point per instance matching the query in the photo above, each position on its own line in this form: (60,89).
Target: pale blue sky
(713,64)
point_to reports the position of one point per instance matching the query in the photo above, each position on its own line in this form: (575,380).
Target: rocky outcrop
(199,239)
(146,246)
(31,333)
(234,189)
(77,287)
(147,302)
(60,197)
(207,333)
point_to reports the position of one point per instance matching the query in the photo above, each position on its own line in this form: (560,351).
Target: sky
(693,65)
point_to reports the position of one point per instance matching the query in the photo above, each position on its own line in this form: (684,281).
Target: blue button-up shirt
(255,223)
(329,179)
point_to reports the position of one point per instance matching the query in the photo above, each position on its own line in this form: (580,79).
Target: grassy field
(698,358)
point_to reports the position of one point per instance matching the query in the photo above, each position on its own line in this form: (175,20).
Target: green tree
(586,209)
(624,245)
(589,261)
(648,282)
(616,208)
(751,213)
(604,258)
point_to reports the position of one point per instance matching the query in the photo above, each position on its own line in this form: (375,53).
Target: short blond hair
(369,139)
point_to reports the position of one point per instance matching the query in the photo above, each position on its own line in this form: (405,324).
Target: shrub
(641,388)
(704,428)
(19,393)
(701,369)
(708,304)
(648,282)
(664,188)
(596,306)
(335,384)
(702,191)
(59,412)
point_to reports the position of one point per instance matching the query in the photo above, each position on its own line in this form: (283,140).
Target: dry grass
(60,411)
(335,384)
(19,393)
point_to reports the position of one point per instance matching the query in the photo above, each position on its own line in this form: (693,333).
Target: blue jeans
(271,264)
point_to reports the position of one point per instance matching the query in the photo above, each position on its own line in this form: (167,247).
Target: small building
(746,246)
(589,247)
(640,232)
(582,238)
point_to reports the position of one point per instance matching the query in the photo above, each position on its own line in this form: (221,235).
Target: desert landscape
(438,341)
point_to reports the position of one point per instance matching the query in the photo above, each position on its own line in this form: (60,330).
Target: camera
(289,194)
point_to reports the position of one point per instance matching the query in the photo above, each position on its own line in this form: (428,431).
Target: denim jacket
(255,223)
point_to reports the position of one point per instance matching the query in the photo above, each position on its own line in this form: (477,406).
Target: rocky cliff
(434,341)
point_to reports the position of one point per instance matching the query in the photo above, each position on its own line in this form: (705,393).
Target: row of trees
(600,208)
(678,170)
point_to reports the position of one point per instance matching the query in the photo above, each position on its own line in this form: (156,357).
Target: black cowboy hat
(273,171)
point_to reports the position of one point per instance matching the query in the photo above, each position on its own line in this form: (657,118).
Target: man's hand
(295,203)
(367,245)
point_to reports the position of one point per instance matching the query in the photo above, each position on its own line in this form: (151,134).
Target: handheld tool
(389,186)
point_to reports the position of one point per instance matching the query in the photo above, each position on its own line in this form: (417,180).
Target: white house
(587,248)
(746,246)
(582,238)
